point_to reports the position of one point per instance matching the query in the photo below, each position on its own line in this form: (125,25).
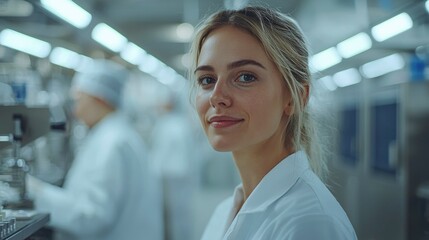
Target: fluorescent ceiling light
(347,77)
(185,60)
(392,27)
(357,44)
(108,37)
(166,76)
(64,57)
(184,32)
(132,53)
(24,43)
(84,63)
(68,11)
(325,59)
(382,66)
(150,64)
(180,33)
(329,83)
(235,4)
(427,6)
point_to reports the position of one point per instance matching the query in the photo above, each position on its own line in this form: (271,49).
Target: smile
(223,121)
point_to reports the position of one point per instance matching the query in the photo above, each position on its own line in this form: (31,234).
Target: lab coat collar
(274,184)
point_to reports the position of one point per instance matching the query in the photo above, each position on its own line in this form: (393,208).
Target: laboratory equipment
(19,125)
(384,191)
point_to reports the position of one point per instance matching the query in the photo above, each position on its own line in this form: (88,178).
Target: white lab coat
(109,193)
(171,159)
(171,133)
(290,203)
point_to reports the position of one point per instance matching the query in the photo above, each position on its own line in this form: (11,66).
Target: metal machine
(381,174)
(19,125)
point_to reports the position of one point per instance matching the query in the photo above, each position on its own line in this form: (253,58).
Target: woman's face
(241,97)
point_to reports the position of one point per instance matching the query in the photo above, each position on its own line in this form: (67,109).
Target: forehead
(231,43)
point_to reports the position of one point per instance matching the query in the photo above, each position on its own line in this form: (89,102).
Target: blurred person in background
(252,86)
(109,192)
(171,157)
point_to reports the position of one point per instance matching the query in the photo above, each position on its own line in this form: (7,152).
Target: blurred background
(370,63)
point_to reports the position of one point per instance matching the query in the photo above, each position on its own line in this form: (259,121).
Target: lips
(223,121)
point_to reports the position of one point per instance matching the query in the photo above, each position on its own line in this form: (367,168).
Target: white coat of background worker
(172,156)
(109,192)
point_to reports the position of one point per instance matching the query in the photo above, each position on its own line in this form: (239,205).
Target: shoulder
(314,226)
(115,138)
(309,210)
(309,195)
(115,129)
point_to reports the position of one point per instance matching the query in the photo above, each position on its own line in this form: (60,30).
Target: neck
(253,164)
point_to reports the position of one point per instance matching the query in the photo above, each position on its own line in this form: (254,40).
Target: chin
(220,146)
(219,149)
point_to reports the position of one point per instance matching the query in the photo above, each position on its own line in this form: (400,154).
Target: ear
(306,94)
(289,106)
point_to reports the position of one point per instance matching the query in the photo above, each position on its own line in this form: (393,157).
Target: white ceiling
(147,23)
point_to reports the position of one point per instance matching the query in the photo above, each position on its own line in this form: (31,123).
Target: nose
(220,96)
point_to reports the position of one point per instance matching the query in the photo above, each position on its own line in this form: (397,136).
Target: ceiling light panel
(354,45)
(347,77)
(325,59)
(108,37)
(68,11)
(329,83)
(24,43)
(383,66)
(64,57)
(132,53)
(150,64)
(184,32)
(392,27)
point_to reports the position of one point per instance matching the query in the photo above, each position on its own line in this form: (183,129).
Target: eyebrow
(232,65)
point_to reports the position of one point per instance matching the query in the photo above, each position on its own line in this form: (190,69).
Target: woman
(252,83)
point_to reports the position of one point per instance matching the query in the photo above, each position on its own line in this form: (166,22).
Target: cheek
(267,111)
(202,105)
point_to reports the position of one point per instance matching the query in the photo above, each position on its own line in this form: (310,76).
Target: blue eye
(206,80)
(246,77)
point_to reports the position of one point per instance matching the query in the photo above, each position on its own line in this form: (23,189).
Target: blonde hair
(285,44)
